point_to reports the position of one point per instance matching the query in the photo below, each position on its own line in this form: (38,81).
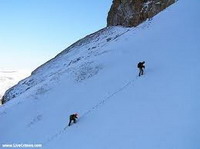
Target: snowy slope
(68,62)
(118,110)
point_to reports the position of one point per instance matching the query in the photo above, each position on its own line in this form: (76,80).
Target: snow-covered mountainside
(97,77)
(75,61)
(10,78)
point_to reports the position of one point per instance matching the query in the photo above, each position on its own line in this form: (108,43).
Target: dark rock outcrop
(2,100)
(130,13)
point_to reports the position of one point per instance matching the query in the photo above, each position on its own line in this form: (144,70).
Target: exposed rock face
(131,13)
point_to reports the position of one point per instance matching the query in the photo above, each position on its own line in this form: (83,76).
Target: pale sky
(34,31)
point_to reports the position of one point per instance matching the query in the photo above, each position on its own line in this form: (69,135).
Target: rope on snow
(91,109)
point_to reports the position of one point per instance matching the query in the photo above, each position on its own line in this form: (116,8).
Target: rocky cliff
(131,13)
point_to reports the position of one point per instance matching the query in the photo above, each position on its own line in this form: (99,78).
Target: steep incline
(67,62)
(118,110)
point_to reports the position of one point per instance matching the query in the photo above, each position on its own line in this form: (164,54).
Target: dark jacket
(73,117)
(141,65)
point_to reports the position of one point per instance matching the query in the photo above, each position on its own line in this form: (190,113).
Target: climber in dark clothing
(73,118)
(141,67)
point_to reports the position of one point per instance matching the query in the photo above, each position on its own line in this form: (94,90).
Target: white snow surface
(117,110)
